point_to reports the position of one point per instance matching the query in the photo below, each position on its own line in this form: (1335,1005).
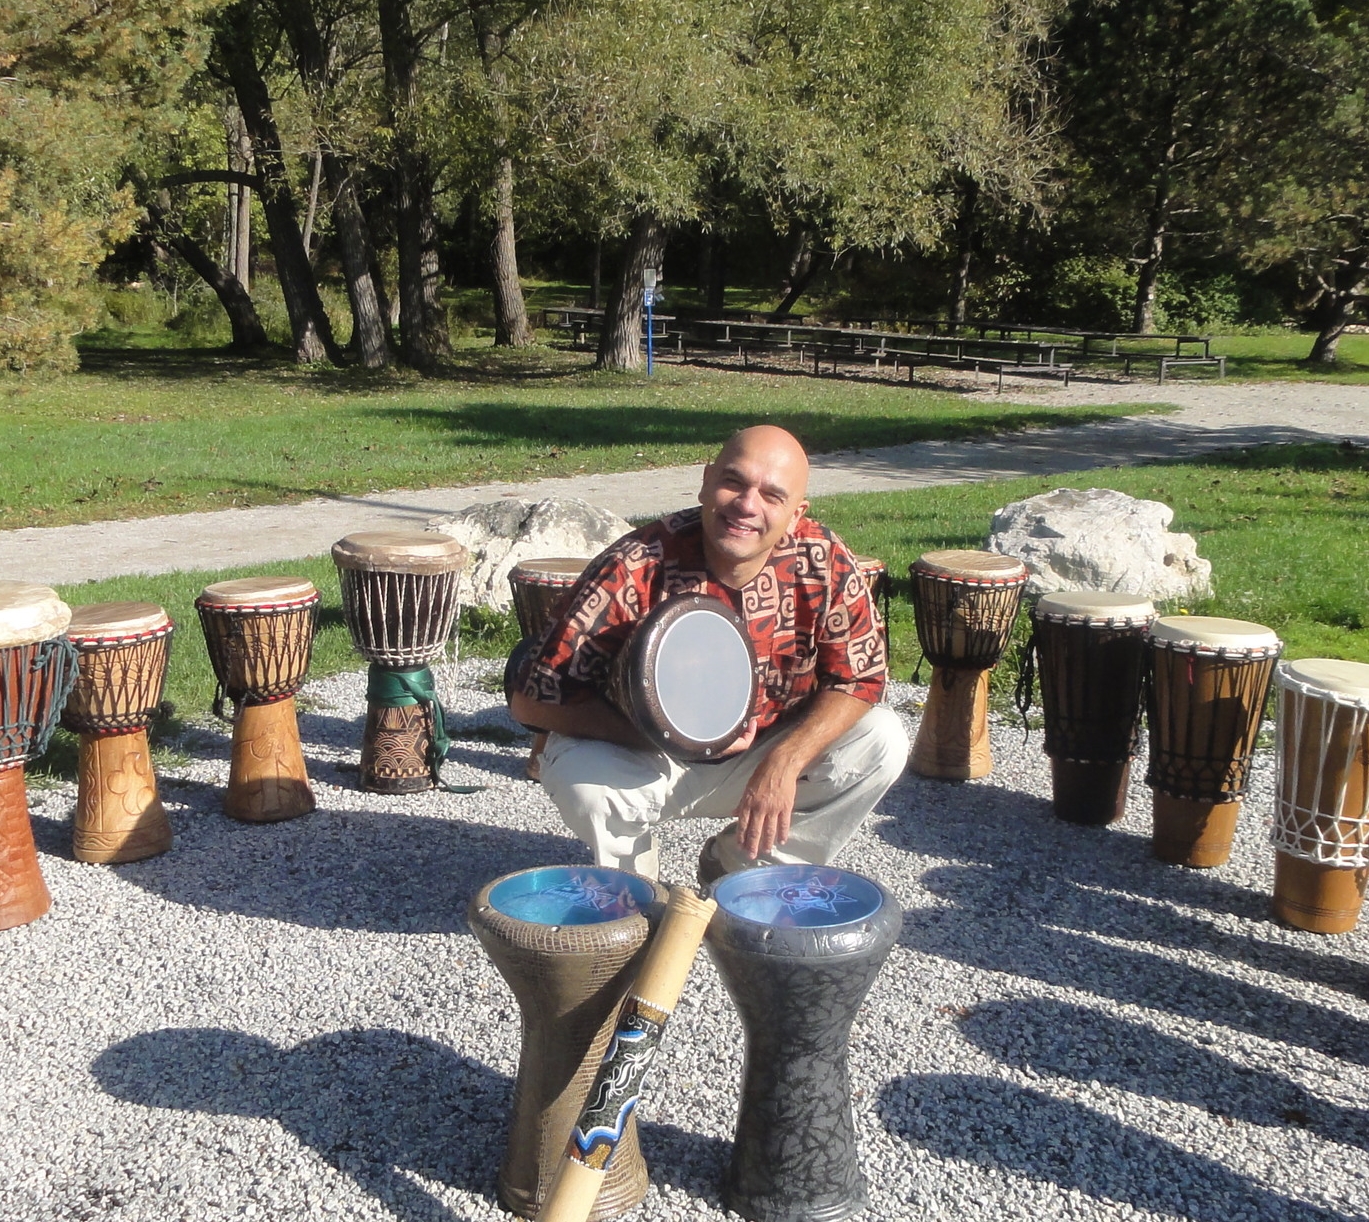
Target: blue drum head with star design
(571,895)
(798,897)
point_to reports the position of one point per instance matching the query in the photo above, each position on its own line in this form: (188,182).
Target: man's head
(753,493)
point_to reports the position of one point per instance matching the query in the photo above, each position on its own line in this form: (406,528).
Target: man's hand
(748,737)
(767,805)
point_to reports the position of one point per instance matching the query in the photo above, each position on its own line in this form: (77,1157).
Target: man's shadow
(387,1108)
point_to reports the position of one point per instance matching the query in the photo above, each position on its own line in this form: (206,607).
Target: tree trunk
(309,325)
(1157,228)
(238,260)
(964,239)
(803,268)
(1336,308)
(248,333)
(370,334)
(307,237)
(423,335)
(620,341)
(596,273)
(715,272)
(511,329)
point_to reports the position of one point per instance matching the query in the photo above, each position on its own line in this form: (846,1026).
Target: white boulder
(1100,540)
(500,534)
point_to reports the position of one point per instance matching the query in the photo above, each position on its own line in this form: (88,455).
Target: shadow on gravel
(380,1105)
(1020,1131)
(1094,879)
(1056,1039)
(994,923)
(372,870)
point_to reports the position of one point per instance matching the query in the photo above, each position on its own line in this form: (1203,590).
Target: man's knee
(596,784)
(878,745)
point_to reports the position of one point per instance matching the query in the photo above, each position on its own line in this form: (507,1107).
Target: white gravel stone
(294,1022)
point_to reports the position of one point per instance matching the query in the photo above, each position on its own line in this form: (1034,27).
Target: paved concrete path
(1210,416)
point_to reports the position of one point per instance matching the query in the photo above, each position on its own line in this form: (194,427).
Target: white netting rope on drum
(1318,831)
(447,666)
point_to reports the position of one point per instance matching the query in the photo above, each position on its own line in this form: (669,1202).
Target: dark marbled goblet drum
(798,947)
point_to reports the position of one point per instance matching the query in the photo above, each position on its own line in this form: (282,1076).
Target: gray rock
(500,534)
(1100,540)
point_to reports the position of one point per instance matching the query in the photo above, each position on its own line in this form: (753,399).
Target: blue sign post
(649,296)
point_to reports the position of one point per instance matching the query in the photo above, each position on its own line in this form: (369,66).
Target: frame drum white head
(30,613)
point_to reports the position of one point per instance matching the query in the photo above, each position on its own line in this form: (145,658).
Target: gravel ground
(294,1021)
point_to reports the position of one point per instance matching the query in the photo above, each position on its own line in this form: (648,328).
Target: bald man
(820,750)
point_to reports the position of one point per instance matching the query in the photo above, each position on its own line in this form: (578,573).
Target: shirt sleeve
(852,653)
(571,658)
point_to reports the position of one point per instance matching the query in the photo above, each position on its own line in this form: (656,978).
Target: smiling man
(820,750)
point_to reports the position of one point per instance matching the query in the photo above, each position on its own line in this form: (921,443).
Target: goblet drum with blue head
(798,947)
(569,941)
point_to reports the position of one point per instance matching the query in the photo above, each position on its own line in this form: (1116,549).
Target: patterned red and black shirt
(808,612)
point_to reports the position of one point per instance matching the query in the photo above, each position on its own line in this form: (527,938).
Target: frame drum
(537,587)
(1207,683)
(400,602)
(569,941)
(122,650)
(1321,811)
(798,947)
(965,605)
(686,678)
(260,634)
(37,669)
(1088,649)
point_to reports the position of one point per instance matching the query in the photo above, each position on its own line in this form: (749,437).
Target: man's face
(750,500)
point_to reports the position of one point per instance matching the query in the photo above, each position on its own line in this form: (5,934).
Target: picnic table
(581,320)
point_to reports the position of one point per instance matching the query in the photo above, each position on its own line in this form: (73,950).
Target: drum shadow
(340,869)
(1058,1039)
(380,1105)
(1015,1130)
(987,926)
(383,1107)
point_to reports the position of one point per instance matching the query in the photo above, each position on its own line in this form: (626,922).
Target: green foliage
(1092,292)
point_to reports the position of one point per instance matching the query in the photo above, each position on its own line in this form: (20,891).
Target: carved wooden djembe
(37,668)
(122,650)
(260,634)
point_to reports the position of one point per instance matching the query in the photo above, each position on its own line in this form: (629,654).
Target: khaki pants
(612,797)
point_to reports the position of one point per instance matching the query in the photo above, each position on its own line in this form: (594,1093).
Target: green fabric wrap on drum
(395,689)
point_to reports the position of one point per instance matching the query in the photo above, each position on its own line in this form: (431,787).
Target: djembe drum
(1089,650)
(538,587)
(1321,811)
(399,600)
(1207,683)
(686,678)
(568,940)
(798,947)
(260,636)
(876,574)
(37,669)
(122,651)
(965,604)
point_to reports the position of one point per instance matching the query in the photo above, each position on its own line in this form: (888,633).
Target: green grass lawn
(1284,528)
(165,431)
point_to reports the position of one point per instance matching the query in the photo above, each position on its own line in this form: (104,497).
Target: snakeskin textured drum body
(798,948)
(1321,807)
(569,941)
(399,593)
(123,649)
(687,677)
(965,604)
(1089,651)
(260,636)
(539,585)
(37,669)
